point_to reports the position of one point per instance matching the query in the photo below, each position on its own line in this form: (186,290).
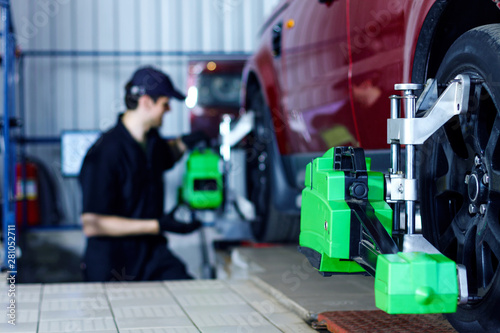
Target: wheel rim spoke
(449,194)
(474,120)
(492,149)
(492,238)
(452,234)
(449,182)
(450,163)
(487,253)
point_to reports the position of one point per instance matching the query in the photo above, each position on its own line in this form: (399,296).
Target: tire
(468,145)
(270,225)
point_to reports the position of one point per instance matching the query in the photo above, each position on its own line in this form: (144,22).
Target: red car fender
(414,24)
(262,63)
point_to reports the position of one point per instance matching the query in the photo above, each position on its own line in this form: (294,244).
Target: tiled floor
(259,290)
(155,307)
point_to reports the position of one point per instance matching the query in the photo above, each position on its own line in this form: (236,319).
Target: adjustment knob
(358,190)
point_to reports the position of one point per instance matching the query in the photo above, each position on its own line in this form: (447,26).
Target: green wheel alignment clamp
(202,186)
(325,225)
(339,222)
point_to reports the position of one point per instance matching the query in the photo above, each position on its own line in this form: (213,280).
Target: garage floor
(270,289)
(191,306)
(287,275)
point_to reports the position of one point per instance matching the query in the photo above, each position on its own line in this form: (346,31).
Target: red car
(321,77)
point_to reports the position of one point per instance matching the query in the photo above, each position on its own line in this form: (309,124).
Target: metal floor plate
(381,322)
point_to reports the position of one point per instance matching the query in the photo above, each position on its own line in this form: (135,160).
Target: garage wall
(64,91)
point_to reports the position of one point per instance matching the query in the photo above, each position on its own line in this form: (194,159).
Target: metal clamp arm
(453,101)
(231,136)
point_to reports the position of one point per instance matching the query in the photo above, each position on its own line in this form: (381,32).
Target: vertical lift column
(8,213)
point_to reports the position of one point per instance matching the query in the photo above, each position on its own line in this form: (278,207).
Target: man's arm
(116,226)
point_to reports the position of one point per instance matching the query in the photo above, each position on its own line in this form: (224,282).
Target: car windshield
(219,90)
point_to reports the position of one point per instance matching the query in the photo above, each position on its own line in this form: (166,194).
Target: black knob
(358,190)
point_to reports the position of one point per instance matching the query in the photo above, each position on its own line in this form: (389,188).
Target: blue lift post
(9,213)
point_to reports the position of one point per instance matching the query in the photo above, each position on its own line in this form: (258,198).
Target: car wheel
(270,224)
(459,173)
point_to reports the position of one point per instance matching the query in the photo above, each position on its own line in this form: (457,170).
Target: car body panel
(338,65)
(315,68)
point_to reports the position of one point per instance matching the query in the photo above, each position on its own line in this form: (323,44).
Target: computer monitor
(74,147)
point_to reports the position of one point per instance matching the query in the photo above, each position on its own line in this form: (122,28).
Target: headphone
(133,93)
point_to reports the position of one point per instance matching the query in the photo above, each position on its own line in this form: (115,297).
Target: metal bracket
(417,243)
(399,188)
(231,136)
(463,289)
(429,96)
(453,101)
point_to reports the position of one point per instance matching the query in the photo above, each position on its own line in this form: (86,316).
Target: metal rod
(23,153)
(94,53)
(395,147)
(396,159)
(410,161)
(25,140)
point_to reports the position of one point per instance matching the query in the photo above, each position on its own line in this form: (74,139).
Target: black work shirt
(121,178)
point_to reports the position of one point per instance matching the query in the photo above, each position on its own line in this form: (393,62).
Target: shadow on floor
(43,261)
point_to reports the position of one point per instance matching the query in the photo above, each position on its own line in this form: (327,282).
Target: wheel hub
(473,188)
(477,188)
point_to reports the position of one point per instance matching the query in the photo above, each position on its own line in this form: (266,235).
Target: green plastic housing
(416,283)
(202,181)
(326,218)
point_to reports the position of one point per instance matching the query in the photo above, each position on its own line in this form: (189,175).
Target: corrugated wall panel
(252,20)
(149,32)
(65,111)
(191,28)
(128,25)
(82,24)
(171,25)
(233,28)
(105,22)
(213,29)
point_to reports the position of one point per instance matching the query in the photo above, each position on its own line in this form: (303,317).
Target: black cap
(152,82)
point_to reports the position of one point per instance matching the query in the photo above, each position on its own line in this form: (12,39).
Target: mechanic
(123,190)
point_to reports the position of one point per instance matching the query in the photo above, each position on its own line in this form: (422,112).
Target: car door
(377,40)
(314,74)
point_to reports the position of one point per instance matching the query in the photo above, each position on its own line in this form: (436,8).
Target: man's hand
(168,223)
(178,145)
